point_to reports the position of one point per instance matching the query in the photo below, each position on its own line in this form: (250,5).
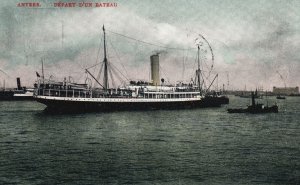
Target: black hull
(22,98)
(6,95)
(14,98)
(215,101)
(85,106)
(273,109)
(10,96)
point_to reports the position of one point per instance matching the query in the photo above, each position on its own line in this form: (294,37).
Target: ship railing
(86,93)
(63,93)
(169,95)
(74,93)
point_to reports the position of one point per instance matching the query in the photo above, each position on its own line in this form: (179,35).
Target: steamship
(135,95)
(19,93)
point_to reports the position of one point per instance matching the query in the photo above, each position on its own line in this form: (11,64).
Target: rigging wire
(203,82)
(99,74)
(152,44)
(119,59)
(93,65)
(4,73)
(98,53)
(111,76)
(162,70)
(113,68)
(194,75)
(112,65)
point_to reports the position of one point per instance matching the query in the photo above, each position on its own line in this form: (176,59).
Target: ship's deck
(112,99)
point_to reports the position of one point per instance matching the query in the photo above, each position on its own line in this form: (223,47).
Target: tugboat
(255,108)
(65,96)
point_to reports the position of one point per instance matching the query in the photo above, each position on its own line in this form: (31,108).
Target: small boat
(280,97)
(249,95)
(6,94)
(255,108)
(19,93)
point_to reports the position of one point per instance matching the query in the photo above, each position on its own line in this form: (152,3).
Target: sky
(255,43)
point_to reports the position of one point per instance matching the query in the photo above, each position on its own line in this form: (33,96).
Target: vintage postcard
(149,92)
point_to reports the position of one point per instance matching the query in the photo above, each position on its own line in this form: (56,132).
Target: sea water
(198,146)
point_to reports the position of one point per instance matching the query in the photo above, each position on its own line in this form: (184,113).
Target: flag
(37,74)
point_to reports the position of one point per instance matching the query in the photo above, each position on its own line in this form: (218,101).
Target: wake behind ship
(137,95)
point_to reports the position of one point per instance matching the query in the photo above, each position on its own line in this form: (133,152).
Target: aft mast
(43,77)
(105,79)
(198,72)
